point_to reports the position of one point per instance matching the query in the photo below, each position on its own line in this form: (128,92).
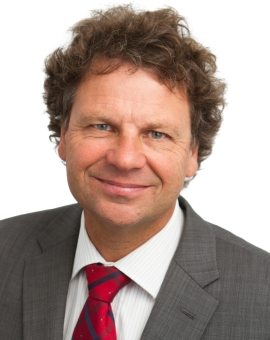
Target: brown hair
(159,41)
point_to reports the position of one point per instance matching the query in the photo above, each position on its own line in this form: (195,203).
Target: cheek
(169,167)
(83,154)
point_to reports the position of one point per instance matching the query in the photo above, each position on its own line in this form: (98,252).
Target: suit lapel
(183,308)
(46,278)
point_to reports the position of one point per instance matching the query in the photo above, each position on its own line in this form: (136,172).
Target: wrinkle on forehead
(102,95)
(103,65)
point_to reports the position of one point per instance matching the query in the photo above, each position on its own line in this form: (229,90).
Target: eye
(156,135)
(103,127)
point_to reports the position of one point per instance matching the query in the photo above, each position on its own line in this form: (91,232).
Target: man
(134,107)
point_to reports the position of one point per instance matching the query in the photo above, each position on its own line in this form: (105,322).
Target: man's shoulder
(225,240)
(231,243)
(20,232)
(241,264)
(231,250)
(35,220)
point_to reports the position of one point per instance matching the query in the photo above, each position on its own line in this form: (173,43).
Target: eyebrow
(86,116)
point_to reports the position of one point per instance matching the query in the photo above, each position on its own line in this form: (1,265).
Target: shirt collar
(150,260)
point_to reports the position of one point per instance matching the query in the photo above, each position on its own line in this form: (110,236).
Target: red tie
(96,321)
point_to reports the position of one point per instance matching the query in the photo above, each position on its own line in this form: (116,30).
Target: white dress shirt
(146,266)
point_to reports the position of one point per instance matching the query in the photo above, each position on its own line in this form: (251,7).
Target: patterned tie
(96,321)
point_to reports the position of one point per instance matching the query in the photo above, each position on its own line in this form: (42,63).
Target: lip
(121,188)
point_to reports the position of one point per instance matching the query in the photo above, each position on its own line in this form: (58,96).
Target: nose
(127,153)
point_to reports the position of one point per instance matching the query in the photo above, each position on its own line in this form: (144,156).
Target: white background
(232,190)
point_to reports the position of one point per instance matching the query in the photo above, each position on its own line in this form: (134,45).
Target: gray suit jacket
(217,286)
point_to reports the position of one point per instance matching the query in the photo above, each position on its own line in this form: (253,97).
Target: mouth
(121,188)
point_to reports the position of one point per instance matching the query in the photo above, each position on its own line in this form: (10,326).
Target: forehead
(129,78)
(127,91)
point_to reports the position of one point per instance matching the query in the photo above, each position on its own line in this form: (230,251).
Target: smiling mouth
(122,185)
(122,189)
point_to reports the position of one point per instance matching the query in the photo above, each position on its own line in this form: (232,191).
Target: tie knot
(104,282)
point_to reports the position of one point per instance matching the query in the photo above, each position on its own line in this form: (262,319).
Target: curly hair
(159,41)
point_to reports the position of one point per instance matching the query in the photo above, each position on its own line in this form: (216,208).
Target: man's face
(128,148)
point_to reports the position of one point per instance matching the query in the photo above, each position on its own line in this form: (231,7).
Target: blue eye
(157,135)
(102,127)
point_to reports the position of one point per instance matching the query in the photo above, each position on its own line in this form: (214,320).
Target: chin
(121,219)
(117,216)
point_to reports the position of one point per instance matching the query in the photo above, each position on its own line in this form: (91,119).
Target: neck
(114,242)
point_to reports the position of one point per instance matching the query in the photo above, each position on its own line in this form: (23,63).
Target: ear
(62,145)
(192,165)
